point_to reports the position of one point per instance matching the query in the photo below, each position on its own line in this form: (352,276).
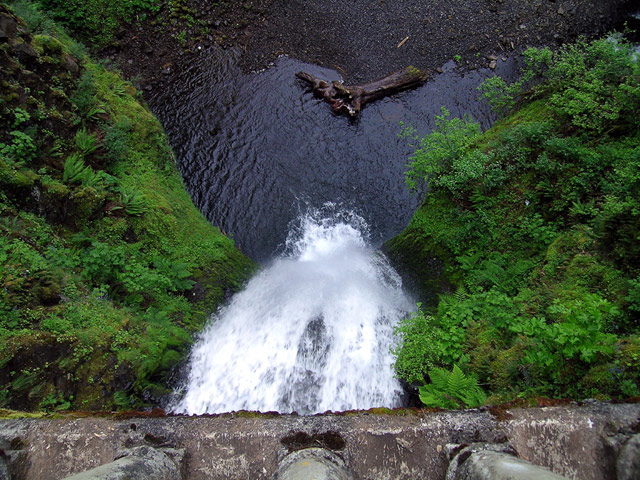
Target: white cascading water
(310,333)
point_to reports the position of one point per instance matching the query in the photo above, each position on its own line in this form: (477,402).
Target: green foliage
(56,403)
(95,282)
(21,149)
(447,144)
(418,352)
(451,390)
(97,20)
(134,202)
(86,142)
(75,171)
(21,116)
(596,85)
(593,86)
(580,331)
(537,224)
(501,95)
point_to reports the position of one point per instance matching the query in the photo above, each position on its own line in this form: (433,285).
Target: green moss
(47,45)
(94,292)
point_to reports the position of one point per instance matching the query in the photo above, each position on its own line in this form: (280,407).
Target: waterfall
(309,333)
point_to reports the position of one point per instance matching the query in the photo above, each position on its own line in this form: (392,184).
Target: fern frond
(86,142)
(135,203)
(74,169)
(439,378)
(461,293)
(451,389)
(456,382)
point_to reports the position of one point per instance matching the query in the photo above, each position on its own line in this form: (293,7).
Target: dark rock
(8,27)
(71,65)
(628,464)
(24,52)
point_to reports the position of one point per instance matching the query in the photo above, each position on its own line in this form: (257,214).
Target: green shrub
(21,149)
(135,203)
(446,144)
(418,351)
(97,20)
(537,224)
(592,85)
(75,171)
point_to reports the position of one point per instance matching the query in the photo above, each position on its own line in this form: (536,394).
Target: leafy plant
(21,149)
(86,142)
(501,95)
(75,171)
(451,390)
(418,351)
(437,151)
(135,203)
(21,116)
(594,85)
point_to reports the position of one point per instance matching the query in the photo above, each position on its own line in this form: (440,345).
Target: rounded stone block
(489,465)
(312,464)
(141,463)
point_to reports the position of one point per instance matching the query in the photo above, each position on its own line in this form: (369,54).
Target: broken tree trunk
(351,98)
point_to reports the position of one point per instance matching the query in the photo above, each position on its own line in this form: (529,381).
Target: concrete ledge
(571,440)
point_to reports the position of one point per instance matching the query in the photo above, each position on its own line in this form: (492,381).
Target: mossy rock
(87,200)
(16,177)
(48,45)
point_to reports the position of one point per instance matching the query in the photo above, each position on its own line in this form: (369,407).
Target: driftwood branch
(351,98)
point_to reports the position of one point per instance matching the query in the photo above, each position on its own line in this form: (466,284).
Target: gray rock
(491,465)
(628,464)
(316,463)
(140,463)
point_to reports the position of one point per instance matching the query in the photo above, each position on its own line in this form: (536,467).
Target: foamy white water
(310,333)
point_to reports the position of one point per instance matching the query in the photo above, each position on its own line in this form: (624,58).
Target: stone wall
(579,442)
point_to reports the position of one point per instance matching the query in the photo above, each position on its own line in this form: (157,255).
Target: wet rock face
(570,441)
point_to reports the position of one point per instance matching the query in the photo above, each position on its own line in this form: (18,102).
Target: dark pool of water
(256,150)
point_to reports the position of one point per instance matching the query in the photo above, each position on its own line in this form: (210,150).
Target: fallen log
(351,98)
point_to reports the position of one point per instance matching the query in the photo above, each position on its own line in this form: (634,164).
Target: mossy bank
(107,270)
(530,233)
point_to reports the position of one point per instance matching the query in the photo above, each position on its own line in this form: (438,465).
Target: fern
(86,142)
(94,113)
(451,389)
(135,203)
(120,90)
(461,293)
(74,169)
